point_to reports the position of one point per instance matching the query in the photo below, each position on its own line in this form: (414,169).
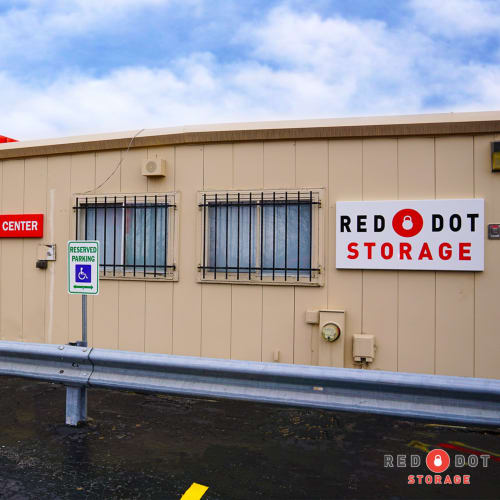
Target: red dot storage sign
(420,235)
(21,226)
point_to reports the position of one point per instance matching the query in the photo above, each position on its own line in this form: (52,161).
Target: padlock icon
(407,222)
(438,461)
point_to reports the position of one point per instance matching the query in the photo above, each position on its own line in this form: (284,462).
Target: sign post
(83,279)
(83,274)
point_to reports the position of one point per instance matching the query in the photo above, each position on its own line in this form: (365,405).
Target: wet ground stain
(155,446)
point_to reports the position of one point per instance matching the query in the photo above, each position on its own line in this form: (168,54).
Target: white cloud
(346,55)
(352,66)
(308,40)
(457,17)
(302,65)
(35,28)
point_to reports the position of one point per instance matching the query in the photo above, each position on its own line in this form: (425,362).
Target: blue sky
(71,67)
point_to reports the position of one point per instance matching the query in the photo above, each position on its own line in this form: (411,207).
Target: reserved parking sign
(83,267)
(420,235)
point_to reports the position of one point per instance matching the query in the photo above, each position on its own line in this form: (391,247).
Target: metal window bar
(114,238)
(114,221)
(166,242)
(289,256)
(238,239)
(77,217)
(204,233)
(227,230)
(298,236)
(124,216)
(250,239)
(286,233)
(86,237)
(95,218)
(274,233)
(310,233)
(156,222)
(215,246)
(105,234)
(135,230)
(261,235)
(145,233)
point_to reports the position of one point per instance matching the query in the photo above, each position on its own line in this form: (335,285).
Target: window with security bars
(264,236)
(136,233)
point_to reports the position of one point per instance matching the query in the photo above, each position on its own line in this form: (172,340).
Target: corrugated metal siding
(433,322)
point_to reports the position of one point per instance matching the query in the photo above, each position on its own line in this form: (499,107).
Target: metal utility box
(363,348)
(331,330)
(495,156)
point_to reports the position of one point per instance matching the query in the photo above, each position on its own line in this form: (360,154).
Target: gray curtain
(224,230)
(276,217)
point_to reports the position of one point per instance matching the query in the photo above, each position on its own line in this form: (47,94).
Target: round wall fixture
(151,166)
(330,332)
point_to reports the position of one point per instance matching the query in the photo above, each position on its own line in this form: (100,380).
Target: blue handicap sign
(83,273)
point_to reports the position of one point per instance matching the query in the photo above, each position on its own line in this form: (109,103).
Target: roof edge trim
(251,135)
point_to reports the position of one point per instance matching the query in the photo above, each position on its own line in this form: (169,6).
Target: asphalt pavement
(154,446)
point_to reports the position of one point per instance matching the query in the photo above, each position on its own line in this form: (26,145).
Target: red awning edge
(7,139)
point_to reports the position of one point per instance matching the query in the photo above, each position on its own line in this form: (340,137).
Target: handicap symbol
(83,273)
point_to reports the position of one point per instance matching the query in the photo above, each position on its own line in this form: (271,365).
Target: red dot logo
(407,223)
(437,461)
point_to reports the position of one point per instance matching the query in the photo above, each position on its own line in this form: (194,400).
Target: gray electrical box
(46,252)
(363,347)
(494,231)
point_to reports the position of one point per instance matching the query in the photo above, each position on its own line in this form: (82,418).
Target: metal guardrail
(66,364)
(453,399)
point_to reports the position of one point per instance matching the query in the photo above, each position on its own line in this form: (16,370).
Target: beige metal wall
(433,322)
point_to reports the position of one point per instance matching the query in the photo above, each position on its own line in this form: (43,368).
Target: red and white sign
(21,226)
(424,235)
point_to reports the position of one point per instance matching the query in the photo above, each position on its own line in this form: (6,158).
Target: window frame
(255,277)
(123,271)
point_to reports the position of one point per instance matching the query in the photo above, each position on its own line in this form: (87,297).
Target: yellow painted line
(420,446)
(194,492)
(463,445)
(445,426)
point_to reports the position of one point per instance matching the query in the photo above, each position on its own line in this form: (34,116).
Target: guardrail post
(76,405)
